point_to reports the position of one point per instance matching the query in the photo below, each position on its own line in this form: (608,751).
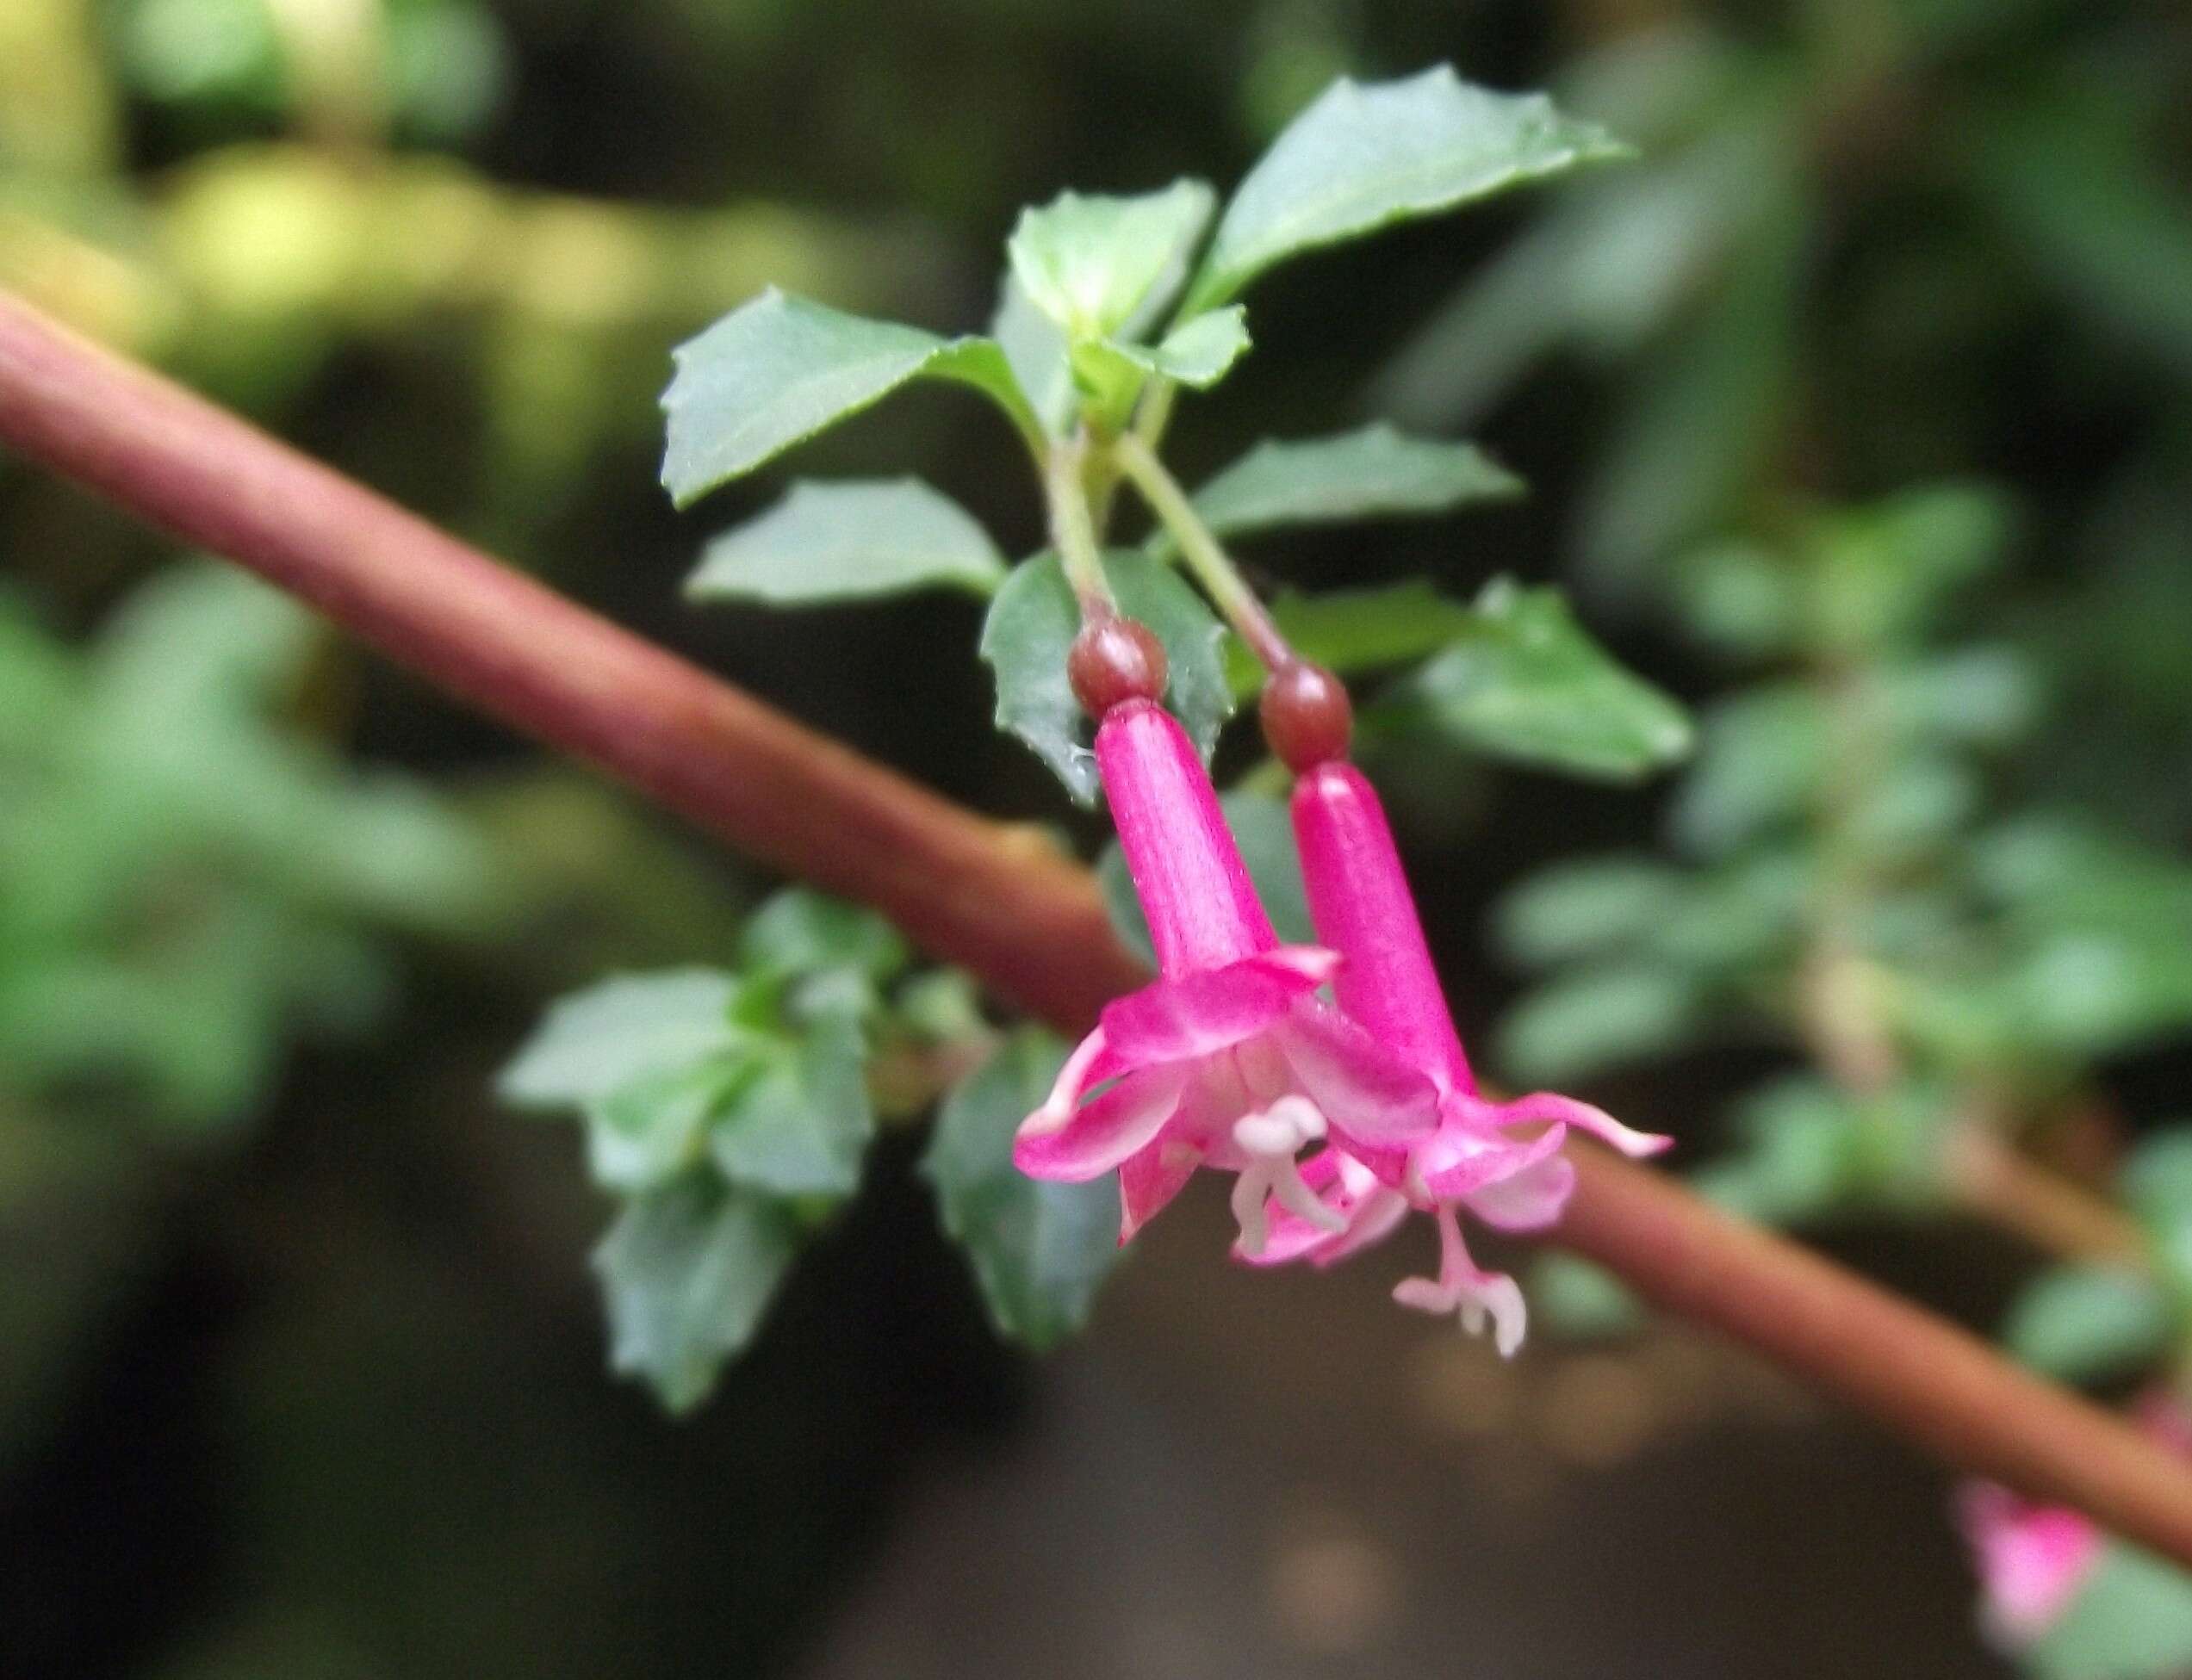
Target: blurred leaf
(799,931)
(1762,763)
(1979,696)
(2157,1179)
(1092,262)
(1887,570)
(1742,597)
(2131,1620)
(1587,1021)
(849,540)
(780,369)
(1040,1251)
(1354,630)
(800,1126)
(1363,157)
(1580,1301)
(1800,1148)
(1581,909)
(687,1273)
(1360,475)
(2087,1324)
(1529,685)
(594,1042)
(1264,830)
(1031,626)
(649,1129)
(1035,349)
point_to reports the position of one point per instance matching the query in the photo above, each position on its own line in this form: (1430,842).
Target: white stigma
(1271,1139)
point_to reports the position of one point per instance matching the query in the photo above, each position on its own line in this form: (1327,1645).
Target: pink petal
(1529,1200)
(1201,1013)
(1376,1104)
(1460,1161)
(1567,1110)
(2033,1558)
(1151,1177)
(1103,1131)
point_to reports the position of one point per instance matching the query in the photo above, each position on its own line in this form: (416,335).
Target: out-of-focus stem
(1072,527)
(1205,555)
(999,901)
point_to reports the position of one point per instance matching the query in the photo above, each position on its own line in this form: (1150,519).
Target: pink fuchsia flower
(1501,1161)
(1228,1060)
(2033,1559)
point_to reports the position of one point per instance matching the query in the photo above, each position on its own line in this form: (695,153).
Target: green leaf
(1040,1251)
(2131,1620)
(1096,263)
(1035,349)
(801,932)
(1354,630)
(779,369)
(1528,685)
(1264,830)
(849,540)
(1363,475)
(687,1273)
(1361,157)
(1031,626)
(2085,1324)
(1580,1301)
(646,1133)
(1761,764)
(1586,1022)
(2157,1179)
(593,1042)
(801,1125)
(1200,353)
(1581,909)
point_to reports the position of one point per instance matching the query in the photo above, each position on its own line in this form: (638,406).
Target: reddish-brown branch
(998,900)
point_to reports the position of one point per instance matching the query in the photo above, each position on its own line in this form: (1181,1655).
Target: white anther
(1270,1139)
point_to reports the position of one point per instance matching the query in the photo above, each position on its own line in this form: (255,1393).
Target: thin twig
(997,900)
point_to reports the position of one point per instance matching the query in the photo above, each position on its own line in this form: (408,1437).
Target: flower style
(1228,1059)
(1480,1155)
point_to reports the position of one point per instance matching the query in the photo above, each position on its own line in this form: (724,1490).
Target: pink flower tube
(1228,1060)
(1502,1161)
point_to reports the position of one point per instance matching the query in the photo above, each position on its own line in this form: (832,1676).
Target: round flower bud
(1115,660)
(1306,716)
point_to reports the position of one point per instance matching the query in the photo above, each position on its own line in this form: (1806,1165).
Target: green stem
(1205,555)
(1072,527)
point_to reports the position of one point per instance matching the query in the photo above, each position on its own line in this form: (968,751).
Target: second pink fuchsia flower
(1501,1161)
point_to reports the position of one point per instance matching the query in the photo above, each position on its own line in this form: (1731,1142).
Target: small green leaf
(1586,1022)
(1040,1251)
(646,1133)
(1529,685)
(800,1126)
(1361,157)
(1581,909)
(1031,626)
(802,931)
(594,1043)
(1761,765)
(687,1273)
(1364,474)
(1096,263)
(1035,349)
(779,369)
(1200,353)
(849,540)
(2083,1323)
(1580,1301)
(2131,1620)
(1354,630)
(1265,832)
(2157,1179)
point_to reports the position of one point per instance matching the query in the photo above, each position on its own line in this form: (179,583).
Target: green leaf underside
(1265,832)
(1369,474)
(1528,685)
(849,540)
(594,1043)
(1035,348)
(777,370)
(1092,262)
(1040,1251)
(1031,625)
(2082,1324)
(1361,157)
(800,1126)
(1356,631)
(687,1273)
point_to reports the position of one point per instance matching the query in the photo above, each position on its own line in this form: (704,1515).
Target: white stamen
(1271,1140)
(1474,1296)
